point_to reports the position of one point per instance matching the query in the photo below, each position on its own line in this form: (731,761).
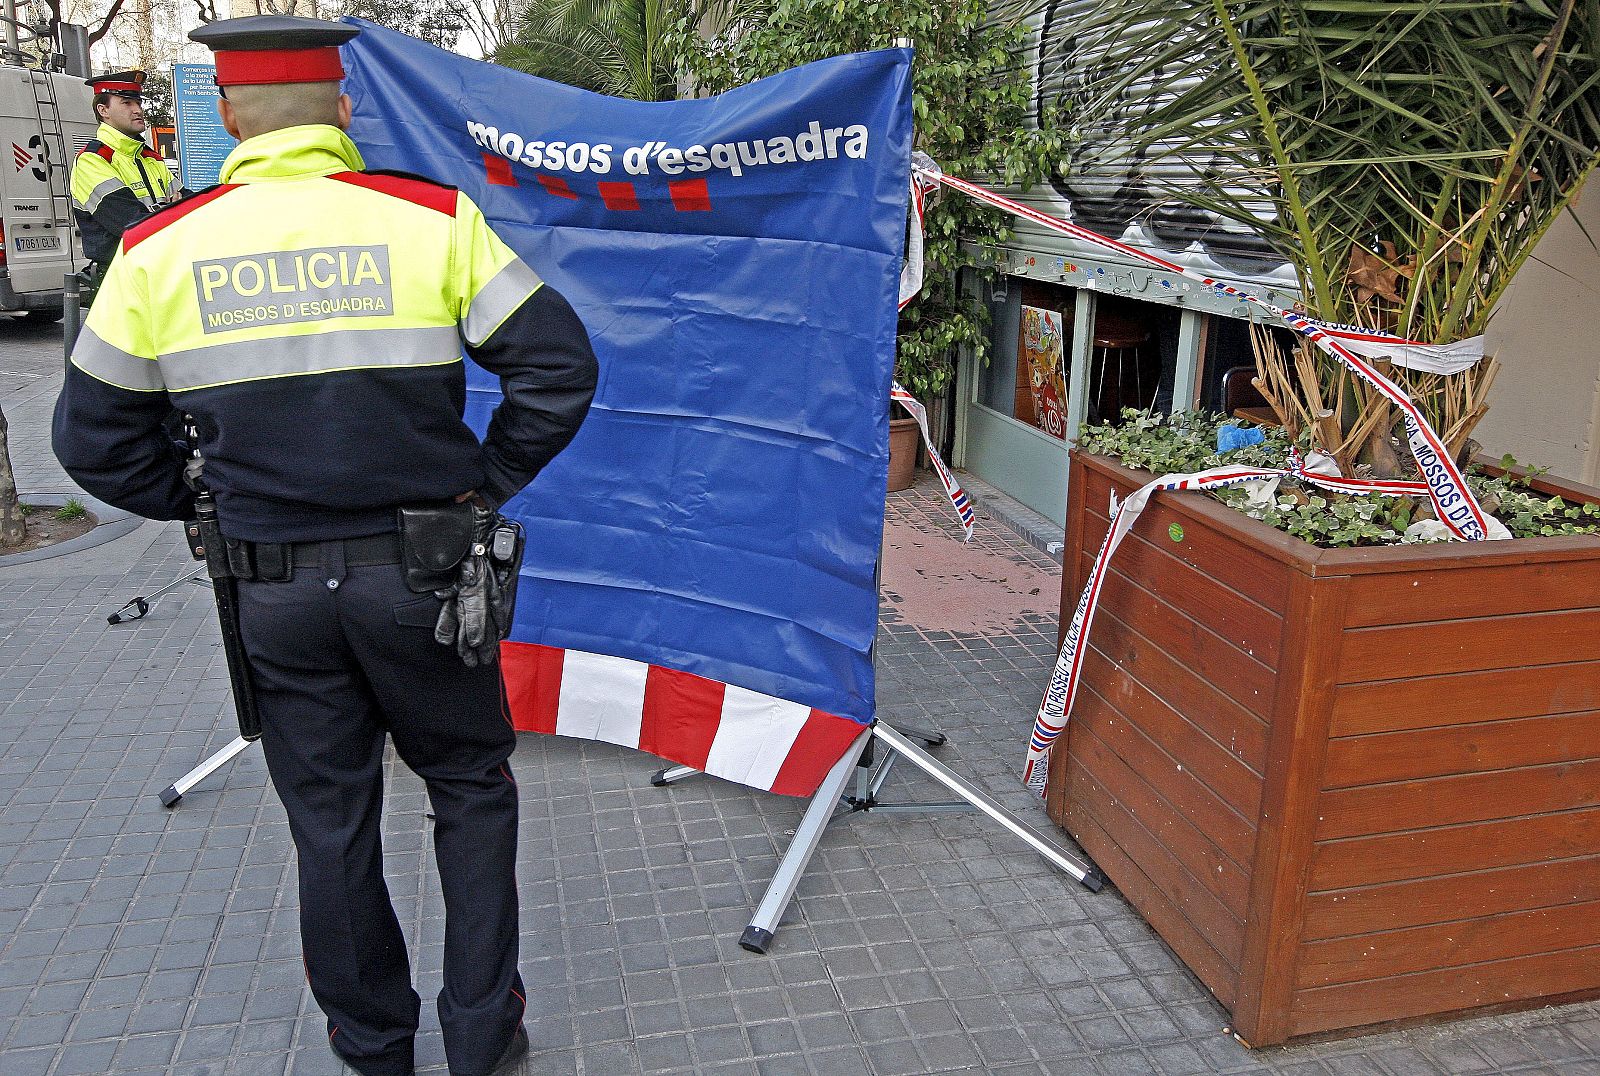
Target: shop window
(1134,357)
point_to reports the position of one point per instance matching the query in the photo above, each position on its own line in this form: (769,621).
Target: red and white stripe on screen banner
(727,731)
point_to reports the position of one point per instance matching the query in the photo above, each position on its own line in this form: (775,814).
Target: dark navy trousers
(341,656)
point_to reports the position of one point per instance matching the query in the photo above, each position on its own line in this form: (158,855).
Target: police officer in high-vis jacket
(116,178)
(312,318)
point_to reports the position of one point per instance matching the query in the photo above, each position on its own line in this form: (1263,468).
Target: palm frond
(1455,130)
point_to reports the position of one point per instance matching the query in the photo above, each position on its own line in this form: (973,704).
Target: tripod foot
(663,778)
(931,737)
(755,939)
(1095,880)
(139,608)
(170,796)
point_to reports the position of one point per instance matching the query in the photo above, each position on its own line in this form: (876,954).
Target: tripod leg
(1083,871)
(137,607)
(758,935)
(174,792)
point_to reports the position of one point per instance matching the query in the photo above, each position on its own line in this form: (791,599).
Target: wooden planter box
(1348,787)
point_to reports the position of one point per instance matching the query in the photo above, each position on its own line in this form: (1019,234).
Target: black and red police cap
(271,49)
(129,84)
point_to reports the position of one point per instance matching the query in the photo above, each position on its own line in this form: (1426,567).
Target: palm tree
(624,48)
(1404,155)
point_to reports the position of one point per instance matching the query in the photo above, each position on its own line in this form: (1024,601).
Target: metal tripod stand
(831,801)
(136,607)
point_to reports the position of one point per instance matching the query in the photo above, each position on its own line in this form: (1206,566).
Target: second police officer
(116,178)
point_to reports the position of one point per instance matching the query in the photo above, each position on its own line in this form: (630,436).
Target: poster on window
(1040,356)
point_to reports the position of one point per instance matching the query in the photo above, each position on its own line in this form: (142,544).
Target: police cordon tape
(1058,697)
(952,488)
(910,284)
(1453,502)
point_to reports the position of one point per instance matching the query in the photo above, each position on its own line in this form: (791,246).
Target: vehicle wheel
(42,317)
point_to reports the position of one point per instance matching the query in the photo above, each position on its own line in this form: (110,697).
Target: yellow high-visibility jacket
(313,318)
(116,180)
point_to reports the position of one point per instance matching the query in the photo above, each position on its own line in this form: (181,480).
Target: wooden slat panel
(1219,556)
(1313,618)
(1126,873)
(1158,568)
(1205,863)
(1467,645)
(1345,912)
(1189,747)
(1240,732)
(1445,945)
(1467,591)
(1191,645)
(1445,801)
(1425,853)
(1204,911)
(1474,748)
(1492,695)
(1233,832)
(1543,975)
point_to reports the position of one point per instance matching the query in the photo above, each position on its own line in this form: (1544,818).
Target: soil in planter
(44,529)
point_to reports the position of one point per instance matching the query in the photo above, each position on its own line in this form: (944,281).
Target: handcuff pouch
(434,539)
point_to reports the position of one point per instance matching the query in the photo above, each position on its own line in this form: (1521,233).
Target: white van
(45,118)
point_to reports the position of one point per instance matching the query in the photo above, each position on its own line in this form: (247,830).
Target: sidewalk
(134,939)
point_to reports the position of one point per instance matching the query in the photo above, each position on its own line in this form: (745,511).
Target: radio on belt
(504,543)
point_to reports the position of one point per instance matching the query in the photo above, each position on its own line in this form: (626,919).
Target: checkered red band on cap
(260,67)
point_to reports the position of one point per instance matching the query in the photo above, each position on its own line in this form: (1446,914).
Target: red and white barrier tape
(952,489)
(1058,698)
(1454,503)
(910,285)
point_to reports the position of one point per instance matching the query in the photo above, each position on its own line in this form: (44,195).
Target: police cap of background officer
(128,85)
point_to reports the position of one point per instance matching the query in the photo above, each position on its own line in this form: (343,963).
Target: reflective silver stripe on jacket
(498,300)
(114,366)
(98,195)
(311,353)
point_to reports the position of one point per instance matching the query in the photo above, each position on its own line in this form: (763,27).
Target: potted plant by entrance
(1351,780)
(902,452)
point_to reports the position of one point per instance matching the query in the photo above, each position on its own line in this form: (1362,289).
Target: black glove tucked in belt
(469,557)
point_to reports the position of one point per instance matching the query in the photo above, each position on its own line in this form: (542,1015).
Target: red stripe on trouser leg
(532,676)
(822,740)
(680,717)
(690,196)
(557,186)
(498,169)
(618,195)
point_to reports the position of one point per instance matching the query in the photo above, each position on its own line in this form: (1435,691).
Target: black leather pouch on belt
(434,539)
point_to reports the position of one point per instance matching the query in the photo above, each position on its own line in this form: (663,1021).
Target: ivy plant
(971,113)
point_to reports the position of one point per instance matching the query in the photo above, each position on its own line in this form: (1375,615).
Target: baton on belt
(205,542)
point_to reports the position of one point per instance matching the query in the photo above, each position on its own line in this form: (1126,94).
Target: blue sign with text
(202,143)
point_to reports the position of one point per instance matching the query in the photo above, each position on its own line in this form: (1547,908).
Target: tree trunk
(12,524)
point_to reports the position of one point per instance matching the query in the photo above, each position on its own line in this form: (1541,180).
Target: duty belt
(275,562)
